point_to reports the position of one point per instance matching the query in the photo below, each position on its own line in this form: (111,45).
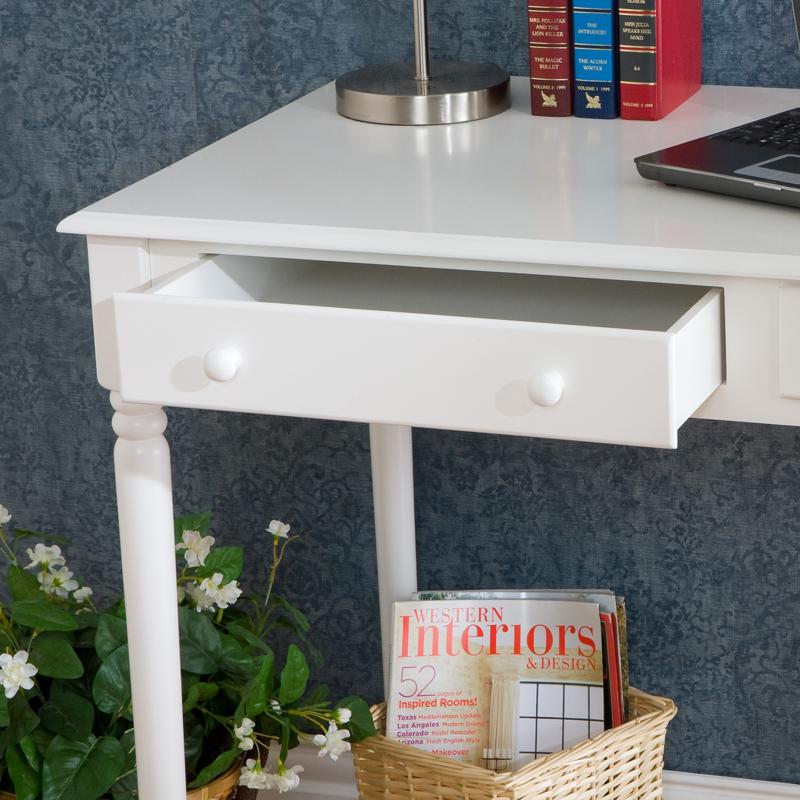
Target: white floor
(324,779)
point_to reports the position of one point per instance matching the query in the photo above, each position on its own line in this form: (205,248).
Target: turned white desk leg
(395,533)
(144,501)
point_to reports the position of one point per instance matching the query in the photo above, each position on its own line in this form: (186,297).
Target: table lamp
(423,92)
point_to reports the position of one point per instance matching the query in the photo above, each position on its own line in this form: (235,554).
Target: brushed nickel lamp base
(423,93)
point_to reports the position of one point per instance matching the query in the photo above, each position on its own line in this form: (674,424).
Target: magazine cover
(612,617)
(496,683)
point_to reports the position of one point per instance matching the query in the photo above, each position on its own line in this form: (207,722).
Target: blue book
(596,59)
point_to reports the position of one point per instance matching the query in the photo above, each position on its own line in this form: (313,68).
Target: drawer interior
(456,293)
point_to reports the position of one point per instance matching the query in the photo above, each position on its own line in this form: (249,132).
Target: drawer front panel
(420,370)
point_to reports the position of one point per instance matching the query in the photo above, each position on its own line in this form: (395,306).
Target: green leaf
(111,687)
(31,753)
(200,643)
(194,737)
(215,768)
(128,743)
(247,636)
(192,699)
(81,687)
(4,718)
(192,522)
(361,724)
(294,676)
(126,787)
(41,737)
(68,715)
(112,633)
(87,621)
(23,585)
(318,696)
(199,693)
(22,722)
(43,615)
(234,659)
(82,770)
(27,785)
(296,617)
(285,742)
(227,560)
(55,658)
(258,692)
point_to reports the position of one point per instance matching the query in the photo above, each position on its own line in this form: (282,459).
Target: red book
(550,35)
(661,53)
(614,678)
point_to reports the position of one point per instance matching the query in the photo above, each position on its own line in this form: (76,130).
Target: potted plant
(66,725)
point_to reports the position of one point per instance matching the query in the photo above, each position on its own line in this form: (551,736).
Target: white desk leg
(395,533)
(144,501)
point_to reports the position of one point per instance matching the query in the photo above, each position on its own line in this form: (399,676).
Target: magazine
(496,682)
(615,632)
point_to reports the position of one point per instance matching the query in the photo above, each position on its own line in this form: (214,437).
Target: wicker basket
(222,788)
(620,764)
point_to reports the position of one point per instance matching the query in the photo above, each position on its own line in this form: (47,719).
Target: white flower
(45,557)
(286,779)
(59,582)
(82,595)
(5,516)
(222,596)
(197,547)
(253,777)
(200,599)
(280,530)
(230,593)
(16,672)
(333,742)
(343,715)
(242,733)
(276,706)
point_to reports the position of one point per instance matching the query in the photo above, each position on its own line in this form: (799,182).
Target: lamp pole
(422,62)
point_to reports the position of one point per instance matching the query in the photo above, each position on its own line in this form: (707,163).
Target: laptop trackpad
(785,169)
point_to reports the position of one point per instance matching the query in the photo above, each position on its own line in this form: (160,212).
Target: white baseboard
(689,786)
(323,778)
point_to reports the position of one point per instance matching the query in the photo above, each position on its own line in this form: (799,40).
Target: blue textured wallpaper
(703,541)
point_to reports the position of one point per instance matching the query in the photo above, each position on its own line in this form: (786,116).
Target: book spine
(638,60)
(613,677)
(596,58)
(550,38)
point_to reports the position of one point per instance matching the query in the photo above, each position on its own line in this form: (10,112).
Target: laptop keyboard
(781,132)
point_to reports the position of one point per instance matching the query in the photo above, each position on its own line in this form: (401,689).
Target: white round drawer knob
(546,388)
(221,364)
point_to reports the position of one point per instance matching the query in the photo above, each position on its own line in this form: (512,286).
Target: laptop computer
(759,160)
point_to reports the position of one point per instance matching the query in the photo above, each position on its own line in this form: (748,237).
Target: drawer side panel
(699,355)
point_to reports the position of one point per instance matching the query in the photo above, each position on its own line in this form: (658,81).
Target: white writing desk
(274,272)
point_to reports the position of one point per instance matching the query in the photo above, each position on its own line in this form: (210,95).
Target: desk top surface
(512,188)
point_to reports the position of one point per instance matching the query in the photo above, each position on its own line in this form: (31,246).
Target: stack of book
(499,678)
(639,59)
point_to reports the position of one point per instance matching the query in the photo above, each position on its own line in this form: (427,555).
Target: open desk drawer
(569,358)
